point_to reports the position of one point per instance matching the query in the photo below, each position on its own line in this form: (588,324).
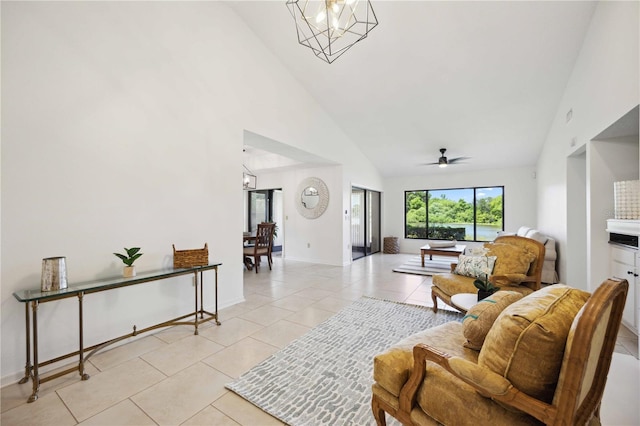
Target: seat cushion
(526,342)
(454,284)
(392,368)
(450,401)
(249,251)
(480,317)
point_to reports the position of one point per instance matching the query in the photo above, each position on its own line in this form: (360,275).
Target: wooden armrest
(484,381)
(453,266)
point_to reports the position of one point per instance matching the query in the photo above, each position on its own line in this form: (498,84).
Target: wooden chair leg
(435,302)
(378,412)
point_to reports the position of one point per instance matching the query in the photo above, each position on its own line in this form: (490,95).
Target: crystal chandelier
(331,27)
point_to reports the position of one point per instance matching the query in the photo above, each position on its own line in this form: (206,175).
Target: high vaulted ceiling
(482,79)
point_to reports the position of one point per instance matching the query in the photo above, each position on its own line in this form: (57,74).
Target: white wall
(603,87)
(608,161)
(123,125)
(576,258)
(519,198)
(309,240)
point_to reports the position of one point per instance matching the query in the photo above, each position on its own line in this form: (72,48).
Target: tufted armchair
(518,267)
(549,274)
(544,360)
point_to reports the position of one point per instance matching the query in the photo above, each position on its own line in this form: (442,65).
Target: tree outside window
(464,214)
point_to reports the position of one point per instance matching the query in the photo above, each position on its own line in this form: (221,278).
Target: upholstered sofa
(549,273)
(517,266)
(542,359)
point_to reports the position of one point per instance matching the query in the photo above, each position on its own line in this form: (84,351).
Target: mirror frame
(323,194)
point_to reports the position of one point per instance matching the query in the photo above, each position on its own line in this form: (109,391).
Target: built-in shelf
(624,226)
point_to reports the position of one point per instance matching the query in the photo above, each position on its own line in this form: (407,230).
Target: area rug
(431,267)
(325,376)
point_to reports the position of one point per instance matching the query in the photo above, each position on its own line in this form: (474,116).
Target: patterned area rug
(325,377)
(431,267)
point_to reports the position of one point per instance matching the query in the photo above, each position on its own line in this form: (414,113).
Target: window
(463,214)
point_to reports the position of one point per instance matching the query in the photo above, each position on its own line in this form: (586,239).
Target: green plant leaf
(479,284)
(134,258)
(132,255)
(132,251)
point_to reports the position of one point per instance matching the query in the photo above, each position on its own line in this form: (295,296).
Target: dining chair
(262,246)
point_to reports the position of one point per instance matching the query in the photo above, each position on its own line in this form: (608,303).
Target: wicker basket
(190,258)
(391,245)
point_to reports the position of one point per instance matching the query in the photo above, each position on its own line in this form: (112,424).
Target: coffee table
(455,251)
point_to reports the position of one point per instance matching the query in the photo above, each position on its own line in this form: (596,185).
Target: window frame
(475,205)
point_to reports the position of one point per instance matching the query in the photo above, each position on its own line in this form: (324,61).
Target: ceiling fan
(444,161)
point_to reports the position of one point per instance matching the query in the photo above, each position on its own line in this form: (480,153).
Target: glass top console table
(79,290)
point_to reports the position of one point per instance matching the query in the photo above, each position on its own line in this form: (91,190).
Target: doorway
(265,205)
(365,222)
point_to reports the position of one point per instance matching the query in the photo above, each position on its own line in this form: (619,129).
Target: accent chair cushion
(451,284)
(511,259)
(474,266)
(392,368)
(526,342)
(480,317)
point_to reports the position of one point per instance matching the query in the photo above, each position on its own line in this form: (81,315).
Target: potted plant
(132,255)
(484,286)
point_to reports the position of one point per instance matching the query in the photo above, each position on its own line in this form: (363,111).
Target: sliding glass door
(365,222)
(266,206)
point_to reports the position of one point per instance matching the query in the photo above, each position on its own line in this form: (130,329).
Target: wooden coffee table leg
(422,257)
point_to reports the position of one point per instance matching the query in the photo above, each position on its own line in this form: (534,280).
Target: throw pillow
(511,259)
(538,236)
(527,341)
(480,317)
(475,266)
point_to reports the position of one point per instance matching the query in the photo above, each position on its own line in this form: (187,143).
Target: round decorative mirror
(310,197)
(313,198)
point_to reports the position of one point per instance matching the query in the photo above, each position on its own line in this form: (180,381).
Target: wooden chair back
(588,353)
(264,237)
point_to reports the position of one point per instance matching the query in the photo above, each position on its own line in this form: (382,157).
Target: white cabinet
(625,264)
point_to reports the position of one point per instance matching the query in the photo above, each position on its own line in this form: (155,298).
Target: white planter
(129,271)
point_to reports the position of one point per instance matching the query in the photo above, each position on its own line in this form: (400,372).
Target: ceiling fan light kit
(330,27)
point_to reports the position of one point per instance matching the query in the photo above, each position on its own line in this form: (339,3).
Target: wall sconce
(249,180)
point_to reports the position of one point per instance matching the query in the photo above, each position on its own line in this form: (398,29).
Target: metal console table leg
(36,376)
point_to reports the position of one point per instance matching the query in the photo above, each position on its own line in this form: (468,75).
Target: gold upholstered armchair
(544,360)
(517,266)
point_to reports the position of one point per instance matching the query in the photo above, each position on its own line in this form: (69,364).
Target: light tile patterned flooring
(176,378)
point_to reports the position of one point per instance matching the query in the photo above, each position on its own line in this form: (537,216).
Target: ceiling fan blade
(443,161)
(455,160)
